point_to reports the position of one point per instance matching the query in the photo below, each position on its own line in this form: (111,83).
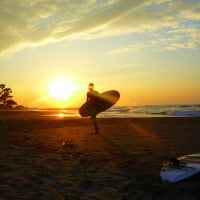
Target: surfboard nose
(111,96)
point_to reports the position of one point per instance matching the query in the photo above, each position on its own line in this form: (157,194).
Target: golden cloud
(24,23)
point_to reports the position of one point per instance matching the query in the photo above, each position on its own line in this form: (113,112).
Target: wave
(154,111)
(187,113)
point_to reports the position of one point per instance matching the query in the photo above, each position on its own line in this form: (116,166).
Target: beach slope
(63,159)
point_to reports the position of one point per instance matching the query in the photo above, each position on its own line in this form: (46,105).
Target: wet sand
(63,159)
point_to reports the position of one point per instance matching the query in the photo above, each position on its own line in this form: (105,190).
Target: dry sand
(63,159)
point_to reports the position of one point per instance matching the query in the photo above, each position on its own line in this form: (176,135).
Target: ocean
(192,110)
(154,111)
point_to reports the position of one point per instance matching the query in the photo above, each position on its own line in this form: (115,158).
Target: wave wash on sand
(61,158)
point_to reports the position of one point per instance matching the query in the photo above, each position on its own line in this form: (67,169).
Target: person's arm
(87,97)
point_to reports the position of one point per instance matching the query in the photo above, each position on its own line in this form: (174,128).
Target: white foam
(186,113)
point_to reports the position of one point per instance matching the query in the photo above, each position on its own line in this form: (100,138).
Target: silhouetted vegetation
(6,100)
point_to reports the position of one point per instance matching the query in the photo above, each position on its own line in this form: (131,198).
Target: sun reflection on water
(60,115)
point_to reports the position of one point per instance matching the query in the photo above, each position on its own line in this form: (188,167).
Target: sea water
(191,110)
(154,111)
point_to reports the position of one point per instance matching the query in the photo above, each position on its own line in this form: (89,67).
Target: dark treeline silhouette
(5,97)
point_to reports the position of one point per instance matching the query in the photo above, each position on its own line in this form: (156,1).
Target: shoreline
(63,159)
(190,110)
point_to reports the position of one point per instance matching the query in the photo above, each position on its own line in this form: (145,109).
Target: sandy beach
(63,159)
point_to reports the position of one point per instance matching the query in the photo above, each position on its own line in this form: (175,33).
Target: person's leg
(93,118)
(96,127)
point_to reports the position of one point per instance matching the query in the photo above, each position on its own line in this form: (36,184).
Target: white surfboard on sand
(178,169)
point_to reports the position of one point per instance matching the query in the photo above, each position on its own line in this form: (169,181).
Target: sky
(148,50)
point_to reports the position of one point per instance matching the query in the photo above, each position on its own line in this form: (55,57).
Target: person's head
(91,86)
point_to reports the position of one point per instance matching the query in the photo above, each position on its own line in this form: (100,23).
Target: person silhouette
(92,100)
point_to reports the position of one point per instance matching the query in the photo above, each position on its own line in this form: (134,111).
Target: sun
(61,88)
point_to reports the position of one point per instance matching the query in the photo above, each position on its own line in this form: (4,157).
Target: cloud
(126,49)
(130,65)
(175,46)
(28,23)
